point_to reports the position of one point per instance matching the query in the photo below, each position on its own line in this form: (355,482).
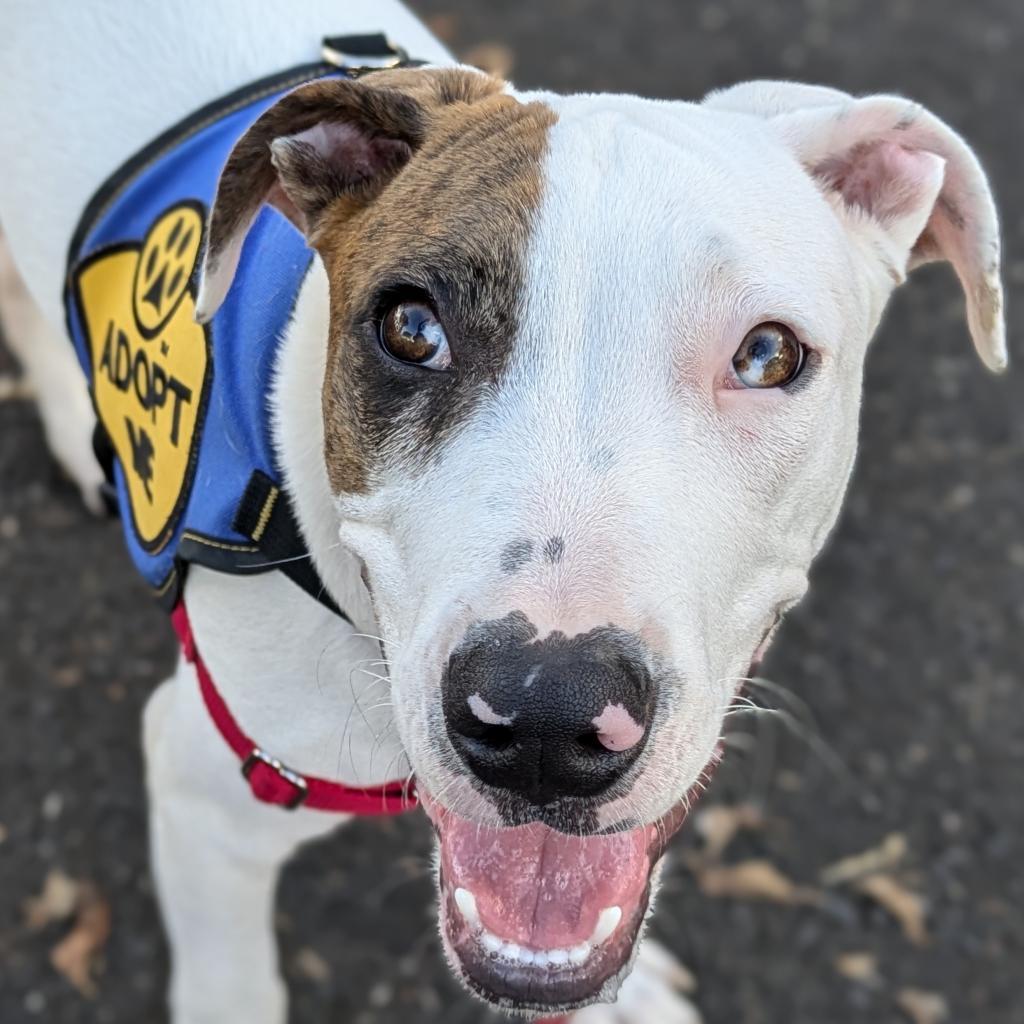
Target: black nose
(564,716)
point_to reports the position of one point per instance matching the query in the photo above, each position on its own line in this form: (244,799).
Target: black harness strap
(103,449)
(265,515)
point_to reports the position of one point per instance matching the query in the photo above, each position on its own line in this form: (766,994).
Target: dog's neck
(307,685)
(298,432)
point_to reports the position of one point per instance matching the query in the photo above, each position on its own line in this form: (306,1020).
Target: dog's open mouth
(539,921)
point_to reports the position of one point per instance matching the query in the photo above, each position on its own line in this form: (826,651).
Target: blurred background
(860,856)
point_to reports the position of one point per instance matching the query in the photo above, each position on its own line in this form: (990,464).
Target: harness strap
(271,781)
(266,516)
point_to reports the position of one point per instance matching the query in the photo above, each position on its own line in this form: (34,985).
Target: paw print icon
(165,267)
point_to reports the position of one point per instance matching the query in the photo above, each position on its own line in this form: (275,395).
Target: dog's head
(590,406)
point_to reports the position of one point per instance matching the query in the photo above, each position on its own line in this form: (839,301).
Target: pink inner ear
(280,199)
(353,154)
(884,179)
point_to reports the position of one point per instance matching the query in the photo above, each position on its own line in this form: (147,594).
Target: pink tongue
(538,887)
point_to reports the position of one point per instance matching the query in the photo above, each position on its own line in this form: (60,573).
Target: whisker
(378,742)
(369,636)
(799,721)
(293,558)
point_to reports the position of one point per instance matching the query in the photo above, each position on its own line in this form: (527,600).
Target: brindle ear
(901,180)
(332,139)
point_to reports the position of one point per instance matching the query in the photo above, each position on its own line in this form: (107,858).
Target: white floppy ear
(896,172)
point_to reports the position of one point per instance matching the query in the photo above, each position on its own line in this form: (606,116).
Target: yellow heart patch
(151,363)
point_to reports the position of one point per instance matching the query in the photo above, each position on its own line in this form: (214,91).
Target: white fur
(653,993)
(54,378)
(691,510)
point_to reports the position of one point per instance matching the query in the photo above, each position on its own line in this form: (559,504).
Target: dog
(563,410)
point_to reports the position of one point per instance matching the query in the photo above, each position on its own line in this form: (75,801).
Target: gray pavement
(907,652)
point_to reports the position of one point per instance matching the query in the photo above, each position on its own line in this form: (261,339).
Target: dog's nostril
(591,742)
(497,737)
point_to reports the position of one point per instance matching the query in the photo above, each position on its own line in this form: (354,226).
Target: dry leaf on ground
(907,907)
(884,857)
(719,824)
(859,967)
(67,676)
(494,58)
(923,1007)
(76,955)
(310,964)
(56,902)
(754,880)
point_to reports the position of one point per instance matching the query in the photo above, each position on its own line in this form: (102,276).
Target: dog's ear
(900,179)
(332,141)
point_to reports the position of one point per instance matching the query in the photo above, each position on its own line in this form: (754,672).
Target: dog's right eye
(771,356)
(412,333)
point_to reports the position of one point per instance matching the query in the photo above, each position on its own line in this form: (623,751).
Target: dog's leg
(56,380)
(216,855)
(652,992)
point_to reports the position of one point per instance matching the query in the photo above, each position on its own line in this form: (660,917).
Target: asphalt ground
(901,670)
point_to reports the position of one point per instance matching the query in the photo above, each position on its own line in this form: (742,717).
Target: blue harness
(183,409)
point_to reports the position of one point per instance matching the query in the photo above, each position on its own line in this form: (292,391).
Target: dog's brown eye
(411,332)
(769,357)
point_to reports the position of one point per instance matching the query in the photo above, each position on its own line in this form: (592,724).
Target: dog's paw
(654,993)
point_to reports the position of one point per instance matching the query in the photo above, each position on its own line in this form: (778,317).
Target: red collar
(270,780)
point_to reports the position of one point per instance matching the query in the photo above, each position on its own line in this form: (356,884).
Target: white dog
(564,408)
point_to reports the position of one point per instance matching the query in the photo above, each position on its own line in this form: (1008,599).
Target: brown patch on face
(406,181)
(450,226)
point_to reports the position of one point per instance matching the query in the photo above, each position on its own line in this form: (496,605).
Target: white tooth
(466,902)
(491,942)
(606,924)
(526,956)
(558,957)
(579,953)
(540,959)
(510,950)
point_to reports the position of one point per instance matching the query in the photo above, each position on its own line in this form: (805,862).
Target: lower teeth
(515,953)
(533,958)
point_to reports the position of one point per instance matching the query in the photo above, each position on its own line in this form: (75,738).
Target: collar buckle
(265,775)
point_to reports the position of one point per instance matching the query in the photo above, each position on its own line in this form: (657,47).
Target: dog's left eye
(412,333)
(769,357)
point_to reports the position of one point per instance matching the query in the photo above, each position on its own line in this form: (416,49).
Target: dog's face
(590,408)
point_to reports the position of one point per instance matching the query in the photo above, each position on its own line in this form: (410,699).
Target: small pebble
(53,804)
(35,1002)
